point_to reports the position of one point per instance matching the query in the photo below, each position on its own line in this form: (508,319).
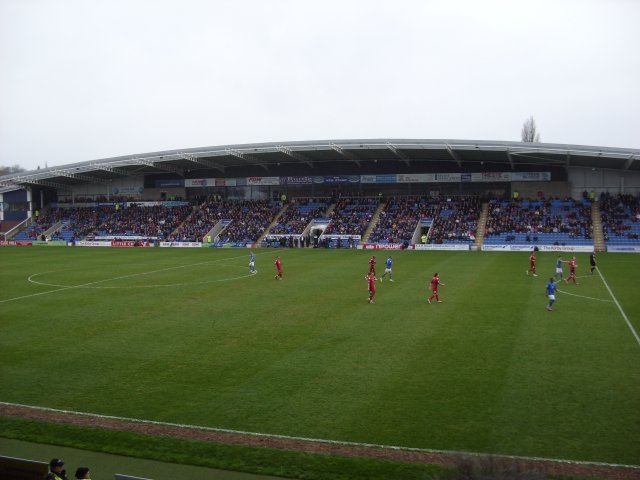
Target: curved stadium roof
(272,159)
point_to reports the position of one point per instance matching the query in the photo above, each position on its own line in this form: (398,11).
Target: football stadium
(270,311)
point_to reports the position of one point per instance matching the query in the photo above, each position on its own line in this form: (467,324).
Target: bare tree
(7,170)
(530,132)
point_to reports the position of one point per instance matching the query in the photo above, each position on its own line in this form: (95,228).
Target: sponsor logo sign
(507,248)
(302,180)
(263,181)
(378,178)
(441,246)
(93,243)
(416,178)
(625,249)
(382,246)
(181,244)
(170,183)
(199,182)
(447,177)
(337,179)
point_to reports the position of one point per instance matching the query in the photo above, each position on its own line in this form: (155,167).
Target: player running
(278,265)
(572,270)
(252,263)
(388,269)
(532,265)
(550,291)
(435,281)
(372,265)
(371,285)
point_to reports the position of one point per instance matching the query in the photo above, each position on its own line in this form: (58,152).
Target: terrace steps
(330,210)
(373,222)
(482,224)
(284,208)
(194,210)
(596,220)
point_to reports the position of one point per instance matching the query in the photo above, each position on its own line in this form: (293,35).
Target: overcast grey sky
(88,79)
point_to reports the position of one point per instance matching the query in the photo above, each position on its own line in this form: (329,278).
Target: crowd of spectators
(456,221)
(249,219)
(150,222)
(351,216)
(543,216)
(454,218)
(297,216)
(200,223)
(42,221)
(620,216)
(80,222)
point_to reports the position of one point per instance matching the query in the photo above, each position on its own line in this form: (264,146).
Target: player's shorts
(552,297)
(387,270)
(252,264)
(558,270)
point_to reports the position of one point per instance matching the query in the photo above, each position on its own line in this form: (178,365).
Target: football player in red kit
(435,281)
(532,265)
(371,284)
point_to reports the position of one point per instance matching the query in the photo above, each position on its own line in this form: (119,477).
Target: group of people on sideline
(58,472)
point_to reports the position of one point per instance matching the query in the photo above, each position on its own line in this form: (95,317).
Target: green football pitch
(189,336)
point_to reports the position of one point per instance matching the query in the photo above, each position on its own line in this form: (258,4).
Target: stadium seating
(620,219)
(296,218)
(539,222)
(351,216)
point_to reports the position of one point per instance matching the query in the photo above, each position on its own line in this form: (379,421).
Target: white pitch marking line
(624,315)
(318,440)
(584,296)
(88,285)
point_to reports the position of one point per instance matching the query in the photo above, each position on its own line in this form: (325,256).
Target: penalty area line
(584,296)
(313,440)
(624,315)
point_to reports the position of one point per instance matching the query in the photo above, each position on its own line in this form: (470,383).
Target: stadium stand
(139,221)
(200,222)
(539,222)
(620,219)
(77,223)
(297,217)
(454,219)
(249,219)
(351,216)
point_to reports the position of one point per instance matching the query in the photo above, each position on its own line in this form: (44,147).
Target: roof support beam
(454,155)
(510,159)
(246,157)
(295,155)
(398,153)
(159,165)
(345,154)
(568,164)
(78,176)
(28,181)
(629,162)
(202,161)
(110,169)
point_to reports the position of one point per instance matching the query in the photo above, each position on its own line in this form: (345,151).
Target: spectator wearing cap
(83,472)
(56,470)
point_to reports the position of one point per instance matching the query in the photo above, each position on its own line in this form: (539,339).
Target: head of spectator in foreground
(83,472)
(55,465)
